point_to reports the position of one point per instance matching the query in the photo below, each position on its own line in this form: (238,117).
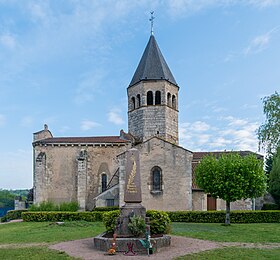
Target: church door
(211,203)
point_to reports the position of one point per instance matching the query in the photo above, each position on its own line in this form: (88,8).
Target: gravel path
(179,246)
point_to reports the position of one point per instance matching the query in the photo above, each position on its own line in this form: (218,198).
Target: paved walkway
(179,246)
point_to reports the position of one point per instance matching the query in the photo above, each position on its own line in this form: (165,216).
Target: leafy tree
(269,132)
(6,198)
(231,177)
(268,165)
(274,182)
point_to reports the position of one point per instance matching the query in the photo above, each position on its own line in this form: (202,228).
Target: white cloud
(114,116)
(260,42)
(187,7)
(87,125)
(234,121)
(8,41)
(40,11)
(2,120)
(90,87)
(264,3)
(231,134)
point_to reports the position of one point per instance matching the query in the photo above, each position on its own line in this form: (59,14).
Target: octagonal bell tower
(153,98)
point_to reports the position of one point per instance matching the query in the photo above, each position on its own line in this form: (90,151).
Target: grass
(249,233)
(46,232)
(33,253)
(235,253)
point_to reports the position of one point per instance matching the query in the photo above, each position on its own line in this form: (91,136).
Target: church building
(91,170)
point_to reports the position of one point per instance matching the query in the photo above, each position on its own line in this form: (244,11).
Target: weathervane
(152,22)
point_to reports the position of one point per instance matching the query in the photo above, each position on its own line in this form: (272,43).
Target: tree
(6,198)
(231,177)
(269,132)
(274,180)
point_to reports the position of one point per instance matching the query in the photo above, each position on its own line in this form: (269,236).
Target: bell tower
(153,97)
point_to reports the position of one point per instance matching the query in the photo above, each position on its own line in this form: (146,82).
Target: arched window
(158,98)
(156,179)
(103,182)
(133,102)
(168,99)
(150,98)
(138,100)
(174,101)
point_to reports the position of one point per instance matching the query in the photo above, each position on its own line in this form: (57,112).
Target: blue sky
(67,63)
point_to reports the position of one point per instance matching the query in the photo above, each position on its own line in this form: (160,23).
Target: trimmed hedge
(257,216)
(110,219)
(13,214)
(61,216)
(111,208)
(270,206)
(160,222)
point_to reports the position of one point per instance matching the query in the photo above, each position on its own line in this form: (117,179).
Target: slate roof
(82,140)
(152,65)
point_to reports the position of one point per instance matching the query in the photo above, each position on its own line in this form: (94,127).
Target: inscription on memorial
(132,188)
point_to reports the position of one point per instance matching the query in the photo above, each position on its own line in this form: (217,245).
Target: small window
(158,98)
(133,102)
(150,98)
(156,179)
(110,202)
(138,100)
(174,101)
(103,182)
(168,99)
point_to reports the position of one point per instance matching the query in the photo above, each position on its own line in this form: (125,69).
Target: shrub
(50,206)
(110,220)
(160,222)
(106,208)
(137,226)
(13,214)
(246,216)
(69,206)
(61,216)
(270,206)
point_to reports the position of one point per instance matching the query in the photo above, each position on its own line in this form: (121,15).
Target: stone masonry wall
(160,120)
(56,179)
(175,163)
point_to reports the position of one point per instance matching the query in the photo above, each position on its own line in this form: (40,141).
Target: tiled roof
(199,155)
(82,140)
(152,65)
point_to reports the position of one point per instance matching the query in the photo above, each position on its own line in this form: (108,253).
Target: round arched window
(156,179)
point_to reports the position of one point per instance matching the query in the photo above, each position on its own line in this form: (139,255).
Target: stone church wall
(58,178)
(199,200)
(175,163)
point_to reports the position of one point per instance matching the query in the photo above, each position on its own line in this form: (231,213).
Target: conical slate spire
(152,65)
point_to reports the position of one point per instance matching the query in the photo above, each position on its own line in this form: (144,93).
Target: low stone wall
(104,244)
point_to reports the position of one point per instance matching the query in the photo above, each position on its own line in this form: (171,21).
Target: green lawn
(45,232)
(235,253)
(33,253)
(250,233)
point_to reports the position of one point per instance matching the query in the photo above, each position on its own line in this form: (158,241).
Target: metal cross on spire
(152,22)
